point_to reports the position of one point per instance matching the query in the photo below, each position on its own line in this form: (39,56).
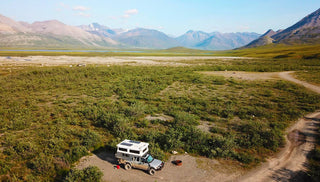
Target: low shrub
(89,174)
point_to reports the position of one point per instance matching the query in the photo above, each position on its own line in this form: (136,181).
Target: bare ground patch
(112,60)
(192,169)
(205,126)
(161,117)
(244,75)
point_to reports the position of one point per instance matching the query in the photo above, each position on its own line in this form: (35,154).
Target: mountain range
(55,34)
(306,31)
(147,38)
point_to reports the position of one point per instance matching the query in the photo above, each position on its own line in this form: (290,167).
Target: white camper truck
(135,154)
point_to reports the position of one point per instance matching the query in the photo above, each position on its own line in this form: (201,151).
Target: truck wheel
(152,171)
(127,166)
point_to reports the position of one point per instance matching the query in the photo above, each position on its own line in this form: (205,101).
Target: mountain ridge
(50,33)
(53,33)
(305,31)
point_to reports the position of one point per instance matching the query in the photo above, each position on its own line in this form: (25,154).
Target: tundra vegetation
(50,117)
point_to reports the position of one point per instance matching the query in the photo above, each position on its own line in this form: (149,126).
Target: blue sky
(173,17)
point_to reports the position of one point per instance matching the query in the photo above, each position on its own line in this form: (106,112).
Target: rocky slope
(306,31)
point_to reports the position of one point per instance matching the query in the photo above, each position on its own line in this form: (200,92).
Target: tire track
(290,164)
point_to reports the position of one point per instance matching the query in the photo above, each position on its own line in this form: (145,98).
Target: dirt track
(287,76)
(290,163)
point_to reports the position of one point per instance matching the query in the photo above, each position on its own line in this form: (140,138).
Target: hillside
(306,31)
(9,26)
(49,34)
(264,39)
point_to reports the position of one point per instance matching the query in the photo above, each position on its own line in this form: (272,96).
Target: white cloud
(125,16)
(131,12)
(80,8)
(128,13)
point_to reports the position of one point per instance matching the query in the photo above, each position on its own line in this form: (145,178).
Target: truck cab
(135,154)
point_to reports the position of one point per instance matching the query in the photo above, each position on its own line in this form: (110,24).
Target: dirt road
(288,76)
(290,163)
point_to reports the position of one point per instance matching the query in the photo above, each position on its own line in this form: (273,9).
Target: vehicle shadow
(106,155)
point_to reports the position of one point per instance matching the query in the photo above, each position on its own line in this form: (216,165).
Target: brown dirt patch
(296,137)
(116,60)
(244,75)
(205,126)
(193,169)
(161,117)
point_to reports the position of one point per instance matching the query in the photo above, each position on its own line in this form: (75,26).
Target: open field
(268,51)
(277,51)
(130,60)
(288,165)
(52,114)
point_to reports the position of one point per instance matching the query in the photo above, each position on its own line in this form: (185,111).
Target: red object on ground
(178,162)
(118,167)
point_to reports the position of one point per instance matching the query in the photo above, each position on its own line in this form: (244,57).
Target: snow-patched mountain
(101,30)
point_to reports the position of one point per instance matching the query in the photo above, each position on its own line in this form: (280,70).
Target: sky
(173,17)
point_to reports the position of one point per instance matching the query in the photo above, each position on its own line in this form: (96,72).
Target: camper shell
(135,154)
(131,147)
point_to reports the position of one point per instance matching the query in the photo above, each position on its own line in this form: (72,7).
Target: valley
(232,105)
(93,102)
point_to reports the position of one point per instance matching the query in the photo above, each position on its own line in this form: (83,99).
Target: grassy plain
(177,51)
(268,51)
(278,51)
(52,116)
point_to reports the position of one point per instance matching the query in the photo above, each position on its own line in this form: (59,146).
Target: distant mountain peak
(264,39)
(49,22)
(269,33)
